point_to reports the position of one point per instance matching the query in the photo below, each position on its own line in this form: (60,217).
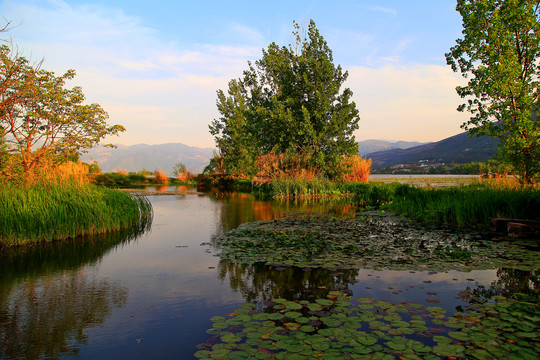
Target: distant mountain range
(457,149)
(150,157)
(371,146)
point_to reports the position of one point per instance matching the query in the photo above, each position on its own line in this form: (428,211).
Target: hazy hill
(150,157)
(455,149)
(370,146)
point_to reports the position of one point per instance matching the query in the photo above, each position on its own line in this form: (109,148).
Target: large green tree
(288,103)
(499,54)
(41,118)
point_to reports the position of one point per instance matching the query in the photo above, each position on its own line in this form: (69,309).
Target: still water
(150,294)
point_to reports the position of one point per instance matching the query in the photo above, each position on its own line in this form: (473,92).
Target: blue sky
(155,66)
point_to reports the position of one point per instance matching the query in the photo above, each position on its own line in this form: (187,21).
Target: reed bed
(468,205)
(299,187)
(58,210)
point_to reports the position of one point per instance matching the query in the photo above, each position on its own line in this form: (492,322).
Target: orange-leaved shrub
(160,177)
(357,169)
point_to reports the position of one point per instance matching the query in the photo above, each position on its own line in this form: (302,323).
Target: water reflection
(41,317)
(89,299)
(260,283)
(46,258)
(509,281)
(48,298)
(242,208)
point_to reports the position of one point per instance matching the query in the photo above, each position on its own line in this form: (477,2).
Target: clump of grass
(58,210)
(298,187)
(370,194)
(467,205)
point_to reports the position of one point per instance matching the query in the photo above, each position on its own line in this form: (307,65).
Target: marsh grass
(60,209)
(300,187)
(467,205)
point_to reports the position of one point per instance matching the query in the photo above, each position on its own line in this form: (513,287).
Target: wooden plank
(516,228)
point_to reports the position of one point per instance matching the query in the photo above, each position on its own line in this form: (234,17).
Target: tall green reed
(290,187)
(56,210)
(466,205)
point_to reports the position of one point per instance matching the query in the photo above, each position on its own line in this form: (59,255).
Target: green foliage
(145,172)
(117,180)
(40,117)
(290,102)
(471,205)
(467,205)
(500,55)
(300,187)
(112,180)
(54,211)
(179,169)
(338,326)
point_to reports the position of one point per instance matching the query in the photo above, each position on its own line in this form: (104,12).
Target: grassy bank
(63,209)
(466,205)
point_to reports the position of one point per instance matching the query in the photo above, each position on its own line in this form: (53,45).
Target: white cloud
(416,102)
(158,91)
(165,93)
(246,33)
(386,10)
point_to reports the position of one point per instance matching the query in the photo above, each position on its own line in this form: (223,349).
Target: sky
(155,66)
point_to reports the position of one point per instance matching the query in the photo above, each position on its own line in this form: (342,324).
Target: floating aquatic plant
(368,242)
(338,327)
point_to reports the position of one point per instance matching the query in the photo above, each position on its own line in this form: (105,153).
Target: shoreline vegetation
(470,205)
(58,209)
(454,201)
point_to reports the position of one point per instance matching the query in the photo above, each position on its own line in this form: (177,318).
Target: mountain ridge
(134,158)
(457,149)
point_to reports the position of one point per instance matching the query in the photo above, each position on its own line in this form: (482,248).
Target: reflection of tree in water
(241,208)
(510,281)
(44,258)
(260,283)
(41,318)
(47,299)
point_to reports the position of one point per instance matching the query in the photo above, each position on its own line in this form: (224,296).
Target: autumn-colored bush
(504,181)
(357,169)
(160,177)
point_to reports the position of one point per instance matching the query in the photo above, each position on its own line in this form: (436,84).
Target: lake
(147,294)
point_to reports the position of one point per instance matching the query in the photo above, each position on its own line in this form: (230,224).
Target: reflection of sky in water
(171,286)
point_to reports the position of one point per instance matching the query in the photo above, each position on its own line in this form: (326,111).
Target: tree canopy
(40,118)
(499,54)
(288,104)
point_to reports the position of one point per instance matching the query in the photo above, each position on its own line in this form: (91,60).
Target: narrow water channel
(150,295)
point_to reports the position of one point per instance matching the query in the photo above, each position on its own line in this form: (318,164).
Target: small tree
(145,172)
(40,118)
(179,169)
(289,104)
(500,55)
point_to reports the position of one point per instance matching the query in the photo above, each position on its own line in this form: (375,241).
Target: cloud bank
(165,90)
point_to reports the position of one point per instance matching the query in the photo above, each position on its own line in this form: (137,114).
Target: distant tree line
(473,168)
